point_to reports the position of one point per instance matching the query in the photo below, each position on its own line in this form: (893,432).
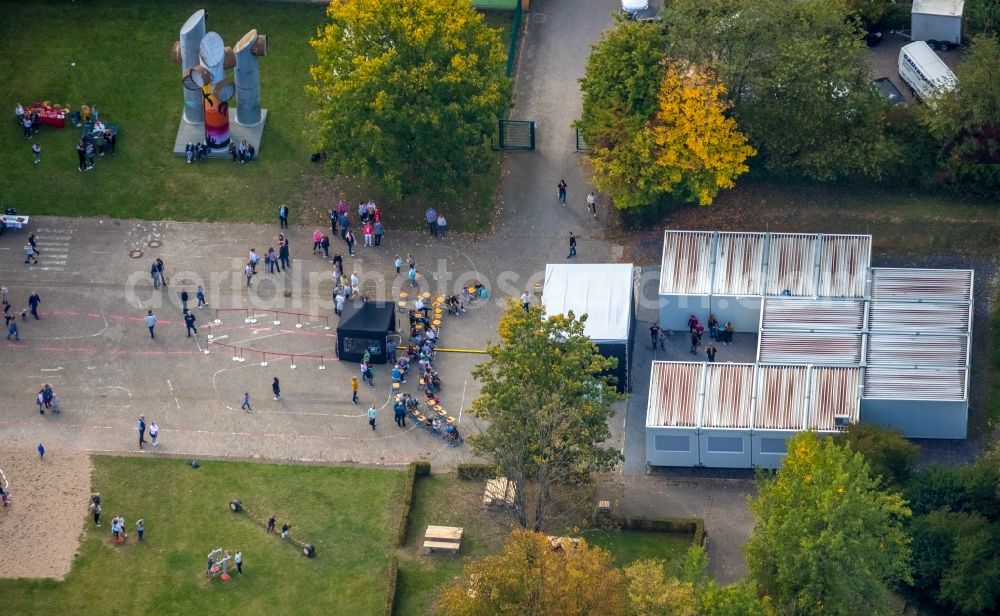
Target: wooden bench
(441,546)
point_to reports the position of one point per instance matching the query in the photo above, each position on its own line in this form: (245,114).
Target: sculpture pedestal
(195,133)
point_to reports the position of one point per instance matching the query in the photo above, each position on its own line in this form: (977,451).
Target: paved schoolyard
(92,346)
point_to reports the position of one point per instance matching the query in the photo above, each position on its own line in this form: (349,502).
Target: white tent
(602,291)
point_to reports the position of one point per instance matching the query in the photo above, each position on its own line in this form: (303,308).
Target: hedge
(694,526)
(390,594)
(477,471)
(414,470)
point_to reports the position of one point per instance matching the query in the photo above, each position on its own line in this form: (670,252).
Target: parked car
(631,7)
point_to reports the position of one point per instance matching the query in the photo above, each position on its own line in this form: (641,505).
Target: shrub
(969,489)
(422,468)
(390,594)
(408,487)
(695,526)
(477,471)
(889,455)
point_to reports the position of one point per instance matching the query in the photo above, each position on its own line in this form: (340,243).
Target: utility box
(937,20)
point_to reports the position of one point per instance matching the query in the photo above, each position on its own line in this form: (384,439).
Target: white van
(924,71)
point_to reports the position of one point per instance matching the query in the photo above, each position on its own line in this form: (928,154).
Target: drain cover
(135,254)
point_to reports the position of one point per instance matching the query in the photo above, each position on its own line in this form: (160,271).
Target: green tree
(982,16)
(826,538)
(546,401)
(408,92)
(956,560)
(529,577)
(970,489)
(967,121)
(651,592)
(889,455)
(799,78)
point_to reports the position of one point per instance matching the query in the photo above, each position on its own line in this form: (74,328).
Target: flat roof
(602,291)
(755,264)
(715,396)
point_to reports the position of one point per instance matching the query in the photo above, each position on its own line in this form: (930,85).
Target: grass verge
(116,54)
(348,514)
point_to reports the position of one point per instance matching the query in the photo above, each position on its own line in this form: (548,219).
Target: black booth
(363,328)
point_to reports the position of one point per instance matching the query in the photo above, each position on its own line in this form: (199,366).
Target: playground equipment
(218,563)
(307,549)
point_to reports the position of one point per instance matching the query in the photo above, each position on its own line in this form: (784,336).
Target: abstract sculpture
(204,60)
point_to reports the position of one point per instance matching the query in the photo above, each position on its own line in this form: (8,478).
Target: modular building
(838,341)
(741,415)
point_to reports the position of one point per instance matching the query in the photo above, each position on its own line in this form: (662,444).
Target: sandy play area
(40,530)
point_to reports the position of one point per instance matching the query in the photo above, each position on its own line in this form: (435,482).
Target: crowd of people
(97,138)
(658,336)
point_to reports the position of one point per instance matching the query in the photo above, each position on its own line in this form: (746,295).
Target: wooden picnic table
(444,533)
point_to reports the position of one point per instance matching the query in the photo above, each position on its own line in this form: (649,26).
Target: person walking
(442,226)
(41,451)
(246,402)
(349,238)
(81,155)
(200,294)
(33,301)
(354,389)
(4,292)
(238,559)
(371,417)
(270,524)
(36,150)
(663,339)
(325,245)
(379,229)
(526,301)
(398,263)
(283,261)
(572,246)
(184,300)
(140,425)
(432,217)
(159,270)
(248,272)
(411,275)
(654,334)
(189,322)
(694,342)
(333,220)
(592,203)
(140,528)
(561,187)
(154,432)
(369,232)
(151,323)
(276,388)
(13,331)
(317,240)
(29,253)
(95,509)
(399,411)
(283,216)
(40,399)
(710,351)
(254,259)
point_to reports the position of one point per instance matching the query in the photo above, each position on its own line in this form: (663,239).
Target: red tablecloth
(51,117)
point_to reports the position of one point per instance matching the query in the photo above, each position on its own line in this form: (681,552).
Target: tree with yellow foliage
(530,577)
(689,150)
(827,539)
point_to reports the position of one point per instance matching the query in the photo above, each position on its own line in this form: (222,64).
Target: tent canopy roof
(603,291)
(368,317)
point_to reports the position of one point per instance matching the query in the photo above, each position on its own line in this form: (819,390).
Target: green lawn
(629,546)
(348,514)
(122,55)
